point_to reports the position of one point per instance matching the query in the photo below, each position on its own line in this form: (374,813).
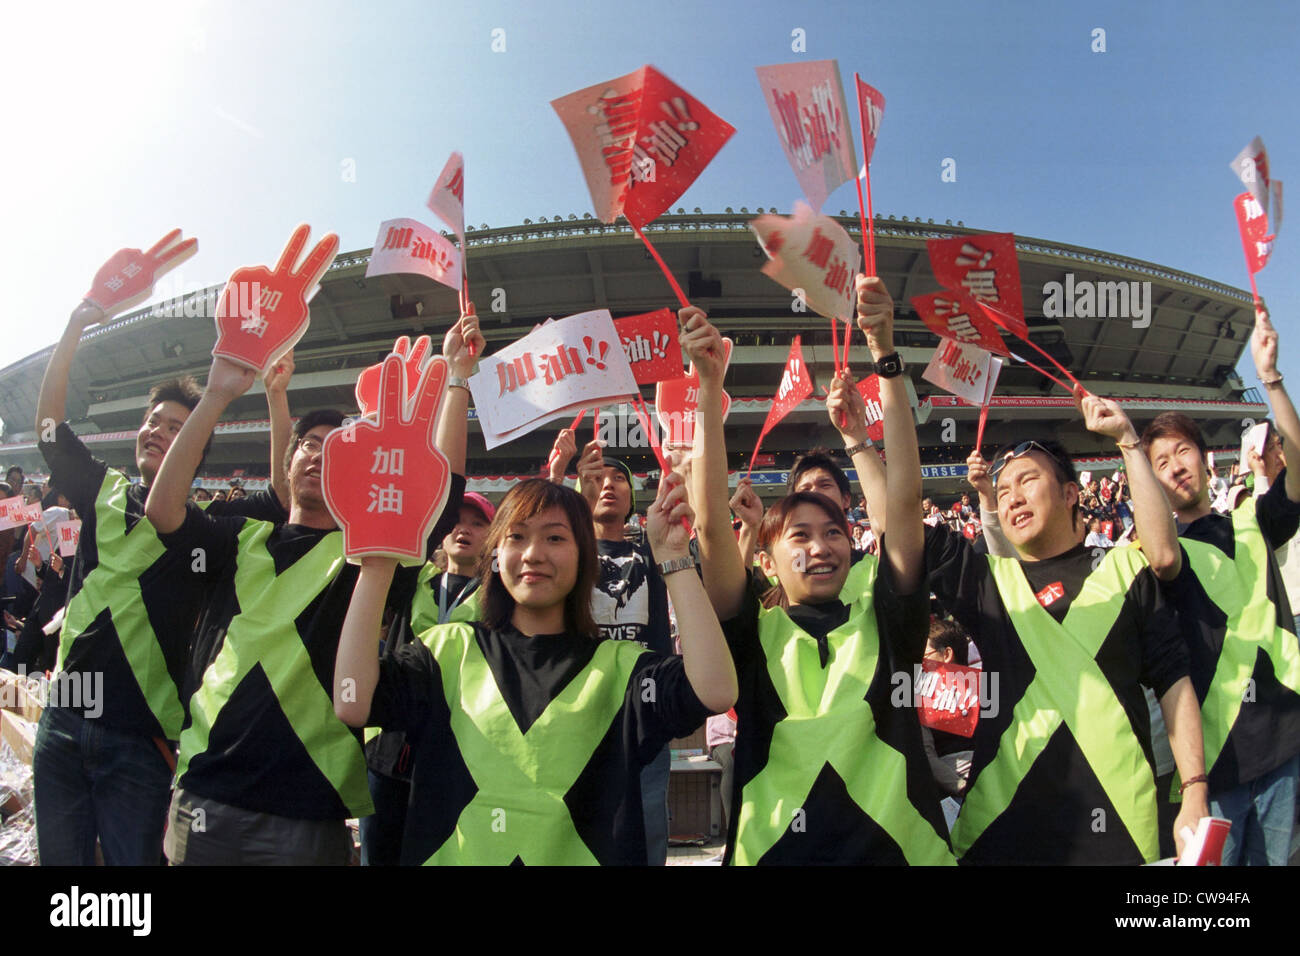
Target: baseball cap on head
(480,504)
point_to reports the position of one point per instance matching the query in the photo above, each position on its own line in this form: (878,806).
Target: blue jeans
(381,832)
(93,781)
(654,806)
(1262,813)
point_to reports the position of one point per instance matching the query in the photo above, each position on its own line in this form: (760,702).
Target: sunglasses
(1024,448)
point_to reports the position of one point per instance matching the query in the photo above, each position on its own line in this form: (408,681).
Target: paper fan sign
(560,367)
(807,104)
(650,342)
(262,313)
(677,401)
(812,256)
(413,357)
(947,697)
(384,481)
(69,533)
(410,247)
(128,277)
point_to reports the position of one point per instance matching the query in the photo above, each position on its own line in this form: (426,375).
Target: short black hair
(818,457)
(1173,425)
(944,633)
(313,419)
(183,391)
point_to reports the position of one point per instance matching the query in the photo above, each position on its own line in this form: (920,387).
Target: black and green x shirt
(529,749)
(1245,659)
(133,603)
(1063,771)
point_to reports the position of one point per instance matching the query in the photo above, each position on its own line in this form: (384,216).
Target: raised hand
(463,343)
(1104,417)
(562,453)
(977,473)
(591,471)
(263,313)
(385,482)
(128,277)
(412,356)
(846,408)
(1263,346)
(277,376)
(702,344)
(875,314)
(746,505)
(666,519)
(228,380)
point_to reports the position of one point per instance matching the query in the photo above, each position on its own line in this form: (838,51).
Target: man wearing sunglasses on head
(1063,770)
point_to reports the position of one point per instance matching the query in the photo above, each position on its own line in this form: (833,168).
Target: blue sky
(235,121)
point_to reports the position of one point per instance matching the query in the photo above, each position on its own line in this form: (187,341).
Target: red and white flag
(650,341)
(947,697)
(795,385)
(963,370)
(984,267)
(955,315)
(447,200)
(642,140)
(408,246)
(807,104)
(812,256)
(869,389)
(871,110)
(1256,240)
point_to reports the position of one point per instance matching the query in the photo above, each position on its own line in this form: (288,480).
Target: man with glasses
(1232,601)
(1063,769)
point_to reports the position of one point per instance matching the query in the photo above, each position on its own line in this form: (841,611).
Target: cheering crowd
(514,701)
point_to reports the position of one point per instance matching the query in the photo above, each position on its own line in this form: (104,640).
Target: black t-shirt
(837,830)
(605,800)
(1267,731)
(1051,819)
(127,569)
(254,756)
(630,602)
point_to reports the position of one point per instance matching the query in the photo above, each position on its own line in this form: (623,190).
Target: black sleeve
(404,695)
(212,542)
(260,506)
(1165,660)
(955,573)
(449,517)
(663,702)
(741,631)
(74,470)
(949,781)
(903,621)
(1278,515)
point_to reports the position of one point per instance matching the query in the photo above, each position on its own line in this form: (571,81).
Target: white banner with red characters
(384,481)
(558,368)
(961,369)
(806,101)
(871,110)
(811,256)
(650,343)
(869,389)
(642,140)
(15,512)
(263,313)
(948,697)
(69,533)
(955,315)
(414,357)
(408,246)
(1252,221)
(986,268)
(128,277)
(677,400)
(447,200)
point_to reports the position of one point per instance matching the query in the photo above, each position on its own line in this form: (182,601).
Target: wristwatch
(890,366)
(859,447)
(675,564)
(455,381)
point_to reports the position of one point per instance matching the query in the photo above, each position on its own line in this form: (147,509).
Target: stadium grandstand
(1181,354)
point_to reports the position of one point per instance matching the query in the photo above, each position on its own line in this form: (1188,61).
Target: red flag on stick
(871,110)
(985,267)
(795,386)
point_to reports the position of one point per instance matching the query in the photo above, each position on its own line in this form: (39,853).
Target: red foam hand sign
(676,402)
(795,385)
(385,482)
(949,697)
(367,389)
(128,277)
(1253,224)
(985,268)
(642,140)
(650,341)
(869,389)
(263,313)
(957,316)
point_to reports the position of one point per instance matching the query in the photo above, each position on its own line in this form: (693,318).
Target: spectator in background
(202,494)
(15,479)
(1096,538)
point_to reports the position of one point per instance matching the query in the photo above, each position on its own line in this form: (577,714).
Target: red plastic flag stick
(868,227)
(835,343)
(1046,374)
(979,431)
(677,290)
(1033,345)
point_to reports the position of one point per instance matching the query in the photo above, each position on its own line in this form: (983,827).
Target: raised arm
(1151,512)
(461,344)
(1264,349)
(746,505)
(977,474)
(562,452)
(51,406)
(276,382)
(708,663)
(165,507)
(844,404)
(903,479)
(724,576)
(356,665)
